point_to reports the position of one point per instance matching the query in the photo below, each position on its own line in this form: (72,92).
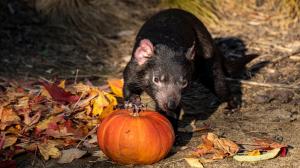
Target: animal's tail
(235,57)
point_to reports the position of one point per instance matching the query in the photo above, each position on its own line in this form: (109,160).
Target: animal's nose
(171,104)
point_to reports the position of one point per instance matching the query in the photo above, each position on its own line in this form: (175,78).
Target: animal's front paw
(134,101)
(233,105)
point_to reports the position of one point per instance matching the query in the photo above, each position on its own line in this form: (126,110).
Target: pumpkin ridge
(154,122)
(104,129)
(120,134)
(106,139)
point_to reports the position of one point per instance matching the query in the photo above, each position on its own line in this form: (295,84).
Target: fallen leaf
(223,144)
(48,150)
(69,155)
(194,162)
(217,148)
(116,86)
(267,144)
(27,146)
(29,121)
(62,84)
(7,117)
(9,140)
(253,153)
(2,140)
(52,120)
(265,156)
(23,103)
(99,103)
(59,94)
(283,152)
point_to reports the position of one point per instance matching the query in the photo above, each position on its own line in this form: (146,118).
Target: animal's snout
(171,104)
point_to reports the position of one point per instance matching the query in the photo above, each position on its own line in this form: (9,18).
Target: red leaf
(59,94)
(8,164)
(283,152)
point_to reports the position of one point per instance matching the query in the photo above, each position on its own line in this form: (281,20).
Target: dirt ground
(32,48)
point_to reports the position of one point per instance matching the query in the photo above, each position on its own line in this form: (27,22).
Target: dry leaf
(116,86)
(219,148)
(9,140)
(42,125)
(59,94)
(28,146)
(253,153)
(265,156)
(7,117)
(267,144)
(70,154)
(62,84)
(29,121)
(194,162)
(48,150)
(38,118)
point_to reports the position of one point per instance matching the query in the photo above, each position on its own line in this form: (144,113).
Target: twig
(286,56)
(272,85)
(90,133)
(75,80)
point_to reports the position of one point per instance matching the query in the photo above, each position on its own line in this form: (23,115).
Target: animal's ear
(190,54)
(144,51)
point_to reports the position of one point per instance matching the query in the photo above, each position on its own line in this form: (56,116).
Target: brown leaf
(218,148)
(70,154)
(48,150)
(267,144)
(49,122)
(9,140)
(29,121)
(7,117)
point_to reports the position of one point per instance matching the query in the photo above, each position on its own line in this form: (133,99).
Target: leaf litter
(47,117)
(214,148)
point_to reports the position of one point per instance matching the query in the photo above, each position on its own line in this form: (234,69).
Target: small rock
(284,96)
(261,99)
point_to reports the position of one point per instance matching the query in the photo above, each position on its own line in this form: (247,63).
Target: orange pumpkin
(131,138)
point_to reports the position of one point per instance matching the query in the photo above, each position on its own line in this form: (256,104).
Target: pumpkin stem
(135,114)
(136,110)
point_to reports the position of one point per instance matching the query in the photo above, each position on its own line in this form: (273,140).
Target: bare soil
(32,48)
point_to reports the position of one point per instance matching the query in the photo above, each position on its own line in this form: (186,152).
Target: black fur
(172,33)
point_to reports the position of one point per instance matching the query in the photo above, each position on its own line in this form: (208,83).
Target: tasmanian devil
(172,50)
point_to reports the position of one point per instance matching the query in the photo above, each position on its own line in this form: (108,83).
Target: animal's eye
(184,83)
(155,79)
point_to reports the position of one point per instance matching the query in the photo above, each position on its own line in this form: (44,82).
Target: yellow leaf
(107,111)
(62,84)
(48,150)
(116,86)
(254,153)
(99,103)
(28,146)
(112,99)
(265,156)
(194,162)
(9,140)
(8,117)
(42,125)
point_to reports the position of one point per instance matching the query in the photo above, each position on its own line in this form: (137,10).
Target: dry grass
(205,10)
(285,13)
